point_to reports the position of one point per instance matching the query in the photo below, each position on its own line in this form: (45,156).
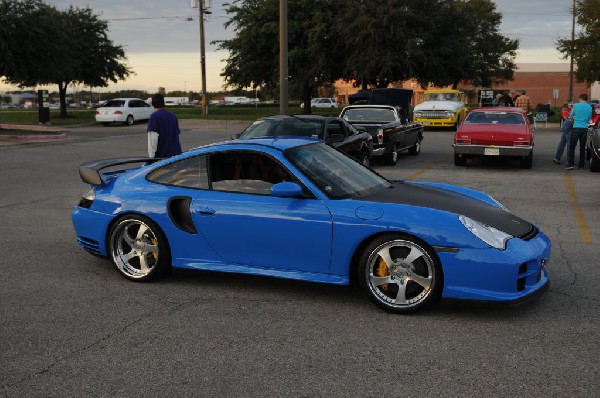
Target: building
(543,83)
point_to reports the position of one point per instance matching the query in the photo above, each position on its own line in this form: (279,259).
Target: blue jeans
(565,137)
(581,136)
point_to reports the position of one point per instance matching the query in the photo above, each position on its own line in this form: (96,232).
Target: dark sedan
(333,130)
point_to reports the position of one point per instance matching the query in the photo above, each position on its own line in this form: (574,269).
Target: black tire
(526,163)
(460,160)
(129,121)
(392,158)
(413,280)
(364,158)
(138,248)
(415,149)
(105,124)
(594,162)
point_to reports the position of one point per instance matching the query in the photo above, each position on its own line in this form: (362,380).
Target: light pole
(572,46)
(283,58)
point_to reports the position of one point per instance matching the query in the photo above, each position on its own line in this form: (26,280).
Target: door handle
(205,210)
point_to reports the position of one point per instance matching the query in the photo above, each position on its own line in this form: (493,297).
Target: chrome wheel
(135,247)
(400,275)
(129,120)
(364,159)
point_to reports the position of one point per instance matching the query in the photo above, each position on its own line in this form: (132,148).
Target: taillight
(118,113)
(521,143)
(463,141)
(97,112)
(380,136)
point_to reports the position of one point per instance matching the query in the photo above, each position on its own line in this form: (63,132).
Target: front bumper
(480,150)
(447,122)
(513,275)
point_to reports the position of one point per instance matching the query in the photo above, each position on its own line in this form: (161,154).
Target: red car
(564,113)
(493,132)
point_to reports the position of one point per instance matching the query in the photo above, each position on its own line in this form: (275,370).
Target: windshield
(369,114)
(441,97)
(284,127)
(494,118)
(334,173)
(114,104)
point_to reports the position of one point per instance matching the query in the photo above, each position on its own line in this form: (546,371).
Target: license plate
(491,151)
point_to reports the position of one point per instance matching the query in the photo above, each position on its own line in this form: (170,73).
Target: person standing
(565,138)
(581,115)
(163,131)
(506,100)
(523,101)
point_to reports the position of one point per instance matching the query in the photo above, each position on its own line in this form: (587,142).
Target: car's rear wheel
(415,149)
(105,124)
(460,160)
(138,248)
(526,162)
(129,120)
(392,158)
(400,273)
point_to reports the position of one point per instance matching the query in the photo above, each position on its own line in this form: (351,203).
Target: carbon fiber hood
(460,204)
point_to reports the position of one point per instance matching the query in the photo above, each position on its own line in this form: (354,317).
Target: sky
(162,41)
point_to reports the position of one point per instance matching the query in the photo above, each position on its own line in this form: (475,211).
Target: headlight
(490,235)
(418,114)
(450,113)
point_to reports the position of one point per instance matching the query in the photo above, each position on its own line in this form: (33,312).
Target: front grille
(90,245)
(434,114)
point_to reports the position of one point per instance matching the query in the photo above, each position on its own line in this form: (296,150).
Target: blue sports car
(300,209)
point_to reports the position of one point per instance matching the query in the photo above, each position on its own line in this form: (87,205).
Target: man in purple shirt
(163,131)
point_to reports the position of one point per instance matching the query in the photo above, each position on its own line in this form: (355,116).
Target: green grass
(78,117)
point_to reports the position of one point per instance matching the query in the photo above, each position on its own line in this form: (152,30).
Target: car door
(246,225)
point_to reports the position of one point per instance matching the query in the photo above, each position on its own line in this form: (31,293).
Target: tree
(70,47)
(314,58)
(462,42)
(29,40)
(585,48)
(376,37)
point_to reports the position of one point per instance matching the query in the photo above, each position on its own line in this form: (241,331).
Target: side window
(246,172)
(187,173)
(133,104)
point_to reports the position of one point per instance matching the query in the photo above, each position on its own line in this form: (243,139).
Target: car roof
(280,143)
(291,117)
(368,106)
(498,109)
(441,90)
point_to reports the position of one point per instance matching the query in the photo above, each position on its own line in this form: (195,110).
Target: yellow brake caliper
(155,254)
(382,270)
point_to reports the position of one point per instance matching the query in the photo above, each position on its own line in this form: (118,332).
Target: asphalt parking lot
(72,326)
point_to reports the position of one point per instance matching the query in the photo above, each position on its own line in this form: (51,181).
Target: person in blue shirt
(581,115)
(163,131)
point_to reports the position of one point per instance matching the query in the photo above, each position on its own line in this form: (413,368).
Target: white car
(124,110)
(322,103)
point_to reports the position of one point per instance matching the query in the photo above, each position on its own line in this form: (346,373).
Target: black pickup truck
(390,130)
(356,142)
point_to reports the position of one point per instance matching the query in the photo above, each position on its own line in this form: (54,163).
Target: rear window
(369,114)
(494,118)
(286,127)
(114,104)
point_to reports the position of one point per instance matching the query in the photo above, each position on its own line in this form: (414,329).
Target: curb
(33,137)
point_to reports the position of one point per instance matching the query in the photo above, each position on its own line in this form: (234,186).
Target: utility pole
(283,58)
(572,47)
(202,57)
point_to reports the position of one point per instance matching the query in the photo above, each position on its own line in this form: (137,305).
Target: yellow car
(441,108)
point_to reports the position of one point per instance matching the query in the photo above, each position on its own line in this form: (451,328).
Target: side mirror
(235,136)
(286,190)
(336,138)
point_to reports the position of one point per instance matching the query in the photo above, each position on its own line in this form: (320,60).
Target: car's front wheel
(129,121)
(415,149)
(460,160)
(400,273)
(138,248)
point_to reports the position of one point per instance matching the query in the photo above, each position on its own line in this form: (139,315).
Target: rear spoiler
(90,172)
